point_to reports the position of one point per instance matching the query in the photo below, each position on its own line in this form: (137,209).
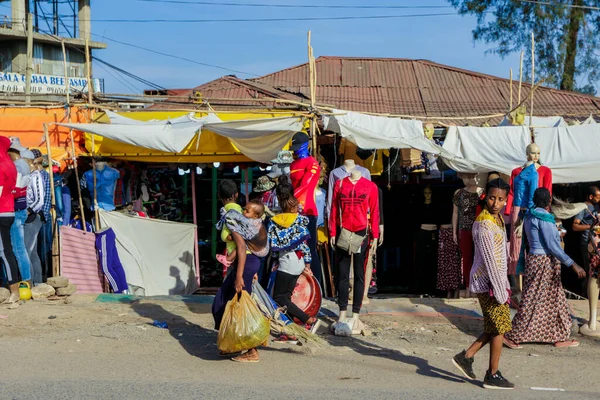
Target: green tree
(567,36)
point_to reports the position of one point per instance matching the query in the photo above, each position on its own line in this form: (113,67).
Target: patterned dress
(449,273)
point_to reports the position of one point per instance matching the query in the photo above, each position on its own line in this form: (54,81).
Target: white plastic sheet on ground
(157,255)
(258,139)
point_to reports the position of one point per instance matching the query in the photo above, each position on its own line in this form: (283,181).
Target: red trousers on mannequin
(467,252)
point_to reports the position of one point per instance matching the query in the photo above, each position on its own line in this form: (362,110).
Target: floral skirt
(544,315)
(449,271)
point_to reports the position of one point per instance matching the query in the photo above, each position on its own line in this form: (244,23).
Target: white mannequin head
(533,153)
(469,179)
(100,165)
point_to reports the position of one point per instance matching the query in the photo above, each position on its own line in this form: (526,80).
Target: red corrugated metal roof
(420,88)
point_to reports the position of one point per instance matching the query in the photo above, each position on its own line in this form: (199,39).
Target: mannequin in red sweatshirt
(304,174)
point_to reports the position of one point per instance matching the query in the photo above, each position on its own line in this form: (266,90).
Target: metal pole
(195,217)
(213,236)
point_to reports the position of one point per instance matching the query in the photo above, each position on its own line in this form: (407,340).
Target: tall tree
(567,35)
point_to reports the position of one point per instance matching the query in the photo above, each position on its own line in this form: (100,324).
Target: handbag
(349,241)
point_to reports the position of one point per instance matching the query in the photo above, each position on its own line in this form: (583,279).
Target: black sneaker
(496,381)
(465,364)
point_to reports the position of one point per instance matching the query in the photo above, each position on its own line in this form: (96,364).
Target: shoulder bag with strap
(349,241)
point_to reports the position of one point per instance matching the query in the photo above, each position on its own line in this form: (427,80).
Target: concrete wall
(19,19)
(85,16)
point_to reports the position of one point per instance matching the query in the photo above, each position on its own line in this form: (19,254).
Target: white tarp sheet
(157,255)
(487,149)
(171,136)
(174,135)
(572,153)
(377,132)
(373,132)
(259,139)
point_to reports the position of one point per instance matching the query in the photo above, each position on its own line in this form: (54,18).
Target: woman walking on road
(544,315)
(490,282)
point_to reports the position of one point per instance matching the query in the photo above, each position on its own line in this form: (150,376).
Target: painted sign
(11,82)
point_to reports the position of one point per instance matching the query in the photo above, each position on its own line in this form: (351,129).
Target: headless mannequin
(354,322)
(350,165)
(471,185)
(533,157)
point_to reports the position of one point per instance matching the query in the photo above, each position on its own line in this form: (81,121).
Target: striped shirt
(47,195)
(35,192)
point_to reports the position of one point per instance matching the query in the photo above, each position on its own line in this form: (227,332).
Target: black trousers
(344,260)
(11,267)
(315,264)
(282,294)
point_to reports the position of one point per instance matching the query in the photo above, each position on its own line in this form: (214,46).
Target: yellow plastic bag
(243,327)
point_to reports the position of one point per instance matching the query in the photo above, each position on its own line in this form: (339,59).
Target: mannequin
(342,172)
(106,181)
(463,215)
(426,246)
(524,181)
(353,198)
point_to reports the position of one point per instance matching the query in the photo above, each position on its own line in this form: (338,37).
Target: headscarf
(302,152)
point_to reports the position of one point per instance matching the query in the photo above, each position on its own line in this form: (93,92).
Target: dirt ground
(409,351)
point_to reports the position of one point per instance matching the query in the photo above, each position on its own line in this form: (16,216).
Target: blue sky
(264,47)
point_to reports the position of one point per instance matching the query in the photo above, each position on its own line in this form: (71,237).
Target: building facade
(53,22)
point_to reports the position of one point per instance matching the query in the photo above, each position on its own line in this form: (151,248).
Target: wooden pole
(89,70)
(313,91)
(71,138)
(510,107)
(520,78)
(532,77)
(29,69)
(64,51)
(55,255)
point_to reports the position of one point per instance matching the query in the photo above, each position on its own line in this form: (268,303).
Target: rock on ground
(4,294)
(67,291)
(42,291)
(58,282)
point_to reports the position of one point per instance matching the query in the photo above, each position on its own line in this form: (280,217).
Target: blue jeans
(45,246)
(32,231)
(17,237)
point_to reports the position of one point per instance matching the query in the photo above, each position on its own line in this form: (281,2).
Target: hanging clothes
(304,175)
(449,272)
(543,178)
(467,208)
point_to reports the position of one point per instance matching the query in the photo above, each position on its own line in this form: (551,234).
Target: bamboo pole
(511,91)
(520,76)
(91,117)
(55,256)
(71,138)
(313,91)
(532,76)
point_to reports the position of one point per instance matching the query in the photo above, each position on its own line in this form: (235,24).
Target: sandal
(223,260)
(511,345)
(567,343)
(249,357)
(227,355)
(12,299)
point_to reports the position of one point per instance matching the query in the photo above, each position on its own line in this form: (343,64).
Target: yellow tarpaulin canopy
(211,147)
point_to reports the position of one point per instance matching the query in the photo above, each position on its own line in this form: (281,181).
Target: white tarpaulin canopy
(174,135)
(161,260)
(376,132)
(572,152)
